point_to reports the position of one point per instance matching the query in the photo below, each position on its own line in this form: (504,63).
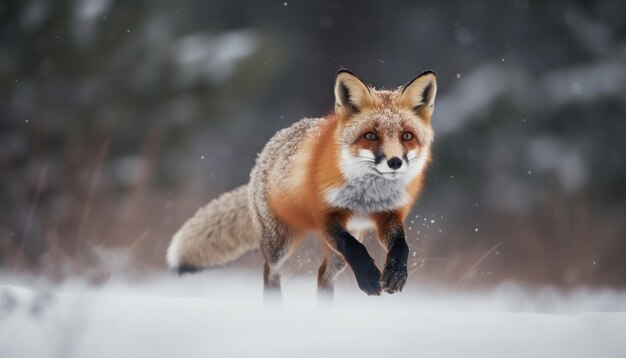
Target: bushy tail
(218,233)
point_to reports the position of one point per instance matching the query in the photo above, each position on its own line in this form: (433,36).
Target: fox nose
(394,163)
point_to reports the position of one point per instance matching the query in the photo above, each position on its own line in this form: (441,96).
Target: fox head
(384,133)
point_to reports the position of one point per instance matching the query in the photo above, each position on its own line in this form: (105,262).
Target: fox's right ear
(351,94)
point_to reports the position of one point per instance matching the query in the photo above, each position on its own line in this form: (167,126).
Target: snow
(220,314)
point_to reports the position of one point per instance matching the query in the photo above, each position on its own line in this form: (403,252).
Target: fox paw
(394,276)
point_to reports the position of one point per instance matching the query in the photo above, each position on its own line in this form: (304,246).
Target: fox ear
(351,94)
(419,94)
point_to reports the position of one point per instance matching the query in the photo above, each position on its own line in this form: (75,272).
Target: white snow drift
(220,314)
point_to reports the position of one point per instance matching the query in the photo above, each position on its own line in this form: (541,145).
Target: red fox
(360,168)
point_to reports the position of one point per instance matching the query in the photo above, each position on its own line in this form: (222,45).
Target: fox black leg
(356,255)
(391,235)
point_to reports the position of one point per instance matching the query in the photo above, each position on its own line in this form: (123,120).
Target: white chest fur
(368,194)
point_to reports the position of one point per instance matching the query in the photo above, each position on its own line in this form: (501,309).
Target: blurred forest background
(118,119)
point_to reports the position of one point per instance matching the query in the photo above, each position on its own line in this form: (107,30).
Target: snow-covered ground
(220,314)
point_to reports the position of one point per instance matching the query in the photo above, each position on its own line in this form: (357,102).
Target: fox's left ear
(419,94)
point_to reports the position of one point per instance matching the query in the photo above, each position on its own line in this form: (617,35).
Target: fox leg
(390,230)
(276,246)
(331,267)
(355,254)
(276,240)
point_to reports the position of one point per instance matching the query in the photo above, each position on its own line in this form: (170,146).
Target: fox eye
(370,136)
(407,136)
